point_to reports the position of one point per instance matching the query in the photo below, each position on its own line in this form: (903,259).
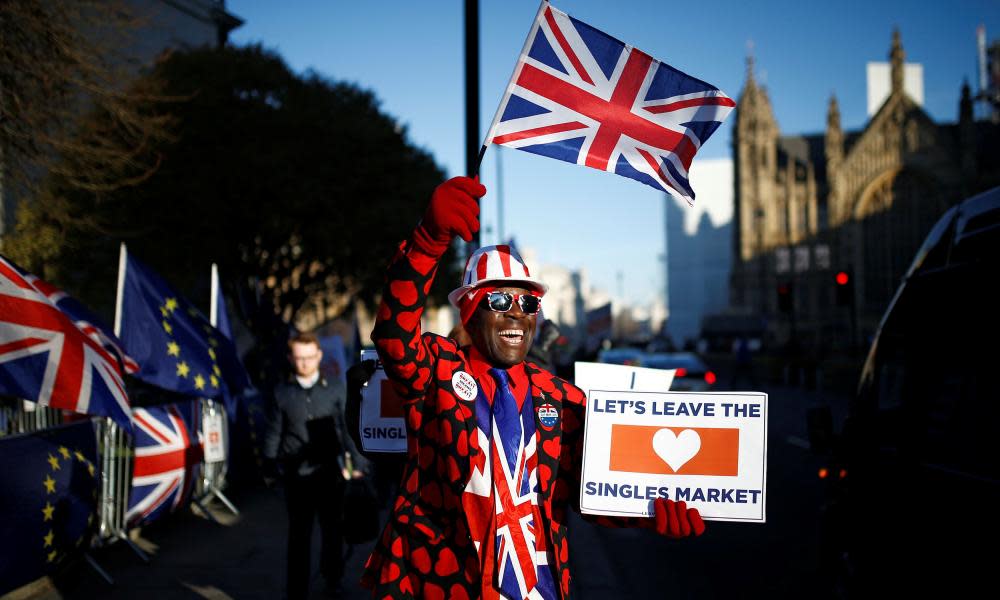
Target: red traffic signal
(844,291)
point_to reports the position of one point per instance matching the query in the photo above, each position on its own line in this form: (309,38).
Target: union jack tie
(509,470)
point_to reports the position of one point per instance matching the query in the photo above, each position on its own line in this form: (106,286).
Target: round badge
(548,416)
(464,385)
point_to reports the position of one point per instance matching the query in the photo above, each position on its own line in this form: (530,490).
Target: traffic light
(844,288)
(785,300)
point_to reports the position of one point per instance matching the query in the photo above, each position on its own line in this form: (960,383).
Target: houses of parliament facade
(853,203)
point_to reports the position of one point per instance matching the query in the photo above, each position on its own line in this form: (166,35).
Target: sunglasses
(503,301)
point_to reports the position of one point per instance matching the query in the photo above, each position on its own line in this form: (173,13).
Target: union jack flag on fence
(50,357)
(167,460)
(582,96)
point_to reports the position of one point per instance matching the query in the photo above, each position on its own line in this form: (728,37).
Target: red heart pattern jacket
(425,550)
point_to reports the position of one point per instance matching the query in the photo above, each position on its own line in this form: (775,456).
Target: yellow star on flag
(199,382)
(214,380)
(50,484)
(52,556)
(47,512)
(213,342)
(168,327)
(164,311)
(171,304)
(211,353)
(79,456)
(54,462)
(48,539)
(90,468)
(183,369)
(64,451)
(217,370)
(173,349)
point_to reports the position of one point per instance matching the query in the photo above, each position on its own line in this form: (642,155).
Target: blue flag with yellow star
(48,500)
(173,342)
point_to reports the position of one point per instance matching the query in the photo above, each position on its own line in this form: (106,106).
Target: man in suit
(304,439)
(494,442)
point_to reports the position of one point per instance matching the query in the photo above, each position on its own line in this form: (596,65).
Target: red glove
(676,520)
(453,211)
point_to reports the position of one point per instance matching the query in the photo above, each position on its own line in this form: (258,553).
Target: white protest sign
(214,445)
(621,377)
(382,424)
(708,449)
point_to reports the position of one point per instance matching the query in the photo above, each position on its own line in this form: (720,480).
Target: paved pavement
(243,557)
(192,557)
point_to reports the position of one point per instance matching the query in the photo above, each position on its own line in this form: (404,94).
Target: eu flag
(176,346)
(48,500)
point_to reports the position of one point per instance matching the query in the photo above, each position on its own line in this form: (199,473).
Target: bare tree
(59,61)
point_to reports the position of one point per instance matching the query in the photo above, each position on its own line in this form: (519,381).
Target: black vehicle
(914,506)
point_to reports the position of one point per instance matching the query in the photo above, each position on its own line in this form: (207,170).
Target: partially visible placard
(215,443)
(382,424)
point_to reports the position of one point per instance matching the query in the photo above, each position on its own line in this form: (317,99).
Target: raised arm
(453,210)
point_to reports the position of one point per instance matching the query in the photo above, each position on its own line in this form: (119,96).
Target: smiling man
(494,442)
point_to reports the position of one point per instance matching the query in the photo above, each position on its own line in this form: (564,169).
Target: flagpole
(510,85)
(122,257)
(213,310)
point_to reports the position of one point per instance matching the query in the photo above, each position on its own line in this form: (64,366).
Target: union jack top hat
(498,265)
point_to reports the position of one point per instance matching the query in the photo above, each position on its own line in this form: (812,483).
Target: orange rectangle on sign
(674,450)
(390,403)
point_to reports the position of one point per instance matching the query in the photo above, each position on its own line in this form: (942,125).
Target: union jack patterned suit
(425,550)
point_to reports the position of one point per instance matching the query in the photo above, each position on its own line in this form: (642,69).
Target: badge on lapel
(464,385)
(548,416)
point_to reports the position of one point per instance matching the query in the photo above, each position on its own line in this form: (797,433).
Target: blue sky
(410,53)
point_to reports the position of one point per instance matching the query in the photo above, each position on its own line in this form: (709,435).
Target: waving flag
(582,96)
(176,346)
(47,357)
(167,459)
(85,321)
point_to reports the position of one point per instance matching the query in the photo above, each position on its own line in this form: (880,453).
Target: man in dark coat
(305,441)
(494,442)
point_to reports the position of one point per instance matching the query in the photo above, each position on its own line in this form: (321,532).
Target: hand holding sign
(676,520)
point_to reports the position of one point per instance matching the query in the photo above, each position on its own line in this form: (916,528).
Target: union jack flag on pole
(168,459)
(52,358)
(581,96)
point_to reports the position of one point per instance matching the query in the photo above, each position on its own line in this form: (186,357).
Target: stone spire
(896,58)
(834,139)
(965,104)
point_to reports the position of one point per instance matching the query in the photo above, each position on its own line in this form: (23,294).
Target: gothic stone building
(810,206)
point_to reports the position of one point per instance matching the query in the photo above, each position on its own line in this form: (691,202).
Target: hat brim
(458,292)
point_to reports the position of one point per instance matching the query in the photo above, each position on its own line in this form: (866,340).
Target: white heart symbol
(675,450)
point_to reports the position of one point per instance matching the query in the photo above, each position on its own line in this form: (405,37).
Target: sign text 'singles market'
(707,449)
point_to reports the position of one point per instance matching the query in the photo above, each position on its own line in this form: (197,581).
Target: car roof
(673,360)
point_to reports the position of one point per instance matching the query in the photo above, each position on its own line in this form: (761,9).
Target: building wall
(861,202)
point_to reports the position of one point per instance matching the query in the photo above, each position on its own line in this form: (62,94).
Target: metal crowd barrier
(115,453)
(213,479)
(21,416)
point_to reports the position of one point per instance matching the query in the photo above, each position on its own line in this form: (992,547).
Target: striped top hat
(497,265)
